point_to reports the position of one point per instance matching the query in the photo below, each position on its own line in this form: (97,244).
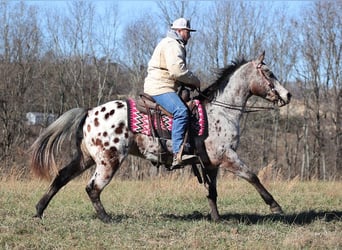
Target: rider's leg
(173,104)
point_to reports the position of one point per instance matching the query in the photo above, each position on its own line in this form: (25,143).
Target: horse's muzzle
(284,101)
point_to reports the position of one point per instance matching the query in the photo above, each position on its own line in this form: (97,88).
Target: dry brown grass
(171,213)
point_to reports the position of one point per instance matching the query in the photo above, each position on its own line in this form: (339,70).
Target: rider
(166,68)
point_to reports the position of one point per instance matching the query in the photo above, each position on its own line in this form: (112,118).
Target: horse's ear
(261,57)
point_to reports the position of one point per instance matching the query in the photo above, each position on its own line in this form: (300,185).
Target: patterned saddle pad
(138,122)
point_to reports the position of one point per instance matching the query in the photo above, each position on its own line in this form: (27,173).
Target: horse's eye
(269,73)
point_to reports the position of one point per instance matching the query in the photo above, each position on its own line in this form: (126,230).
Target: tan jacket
(168,65)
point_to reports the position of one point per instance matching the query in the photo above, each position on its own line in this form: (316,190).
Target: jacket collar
(174,35)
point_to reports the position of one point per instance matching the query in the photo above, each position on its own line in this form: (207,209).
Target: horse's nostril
(289,96)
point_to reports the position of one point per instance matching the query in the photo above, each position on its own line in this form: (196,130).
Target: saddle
(146,103)
(149,118)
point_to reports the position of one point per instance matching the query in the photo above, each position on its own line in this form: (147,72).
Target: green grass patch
(172,214)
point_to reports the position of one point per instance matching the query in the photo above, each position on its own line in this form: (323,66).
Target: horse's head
(266,85)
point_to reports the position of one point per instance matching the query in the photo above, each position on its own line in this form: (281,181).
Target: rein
(246,109)
(243,109)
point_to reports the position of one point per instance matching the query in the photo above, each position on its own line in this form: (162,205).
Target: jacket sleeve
(176,65)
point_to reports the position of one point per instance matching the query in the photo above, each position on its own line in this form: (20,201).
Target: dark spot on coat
(88,128)
(119,105)
(113,149)
(98,142)
(103,109)
(108,176)
(96,122)
(119,129)
(112,156)
(105,134)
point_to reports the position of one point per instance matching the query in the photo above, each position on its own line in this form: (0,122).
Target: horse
(102,137)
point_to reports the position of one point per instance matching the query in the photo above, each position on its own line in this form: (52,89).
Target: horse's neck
(232,101)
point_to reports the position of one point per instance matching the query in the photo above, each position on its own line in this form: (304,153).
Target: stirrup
(181,162)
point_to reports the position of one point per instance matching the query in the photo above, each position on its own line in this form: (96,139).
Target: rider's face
(185,34)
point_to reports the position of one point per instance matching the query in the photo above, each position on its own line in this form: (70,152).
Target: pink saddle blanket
(139,122)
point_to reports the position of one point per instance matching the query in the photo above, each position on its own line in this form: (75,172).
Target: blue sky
(131,9)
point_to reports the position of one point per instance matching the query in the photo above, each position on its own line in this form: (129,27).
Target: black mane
(209,93)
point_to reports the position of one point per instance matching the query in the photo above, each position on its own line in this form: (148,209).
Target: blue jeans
(173,104)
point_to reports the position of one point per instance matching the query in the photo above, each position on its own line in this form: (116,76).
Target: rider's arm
(176,65)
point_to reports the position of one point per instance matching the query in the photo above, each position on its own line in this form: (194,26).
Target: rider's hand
(195,85)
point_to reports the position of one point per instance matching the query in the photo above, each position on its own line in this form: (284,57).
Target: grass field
(172,214)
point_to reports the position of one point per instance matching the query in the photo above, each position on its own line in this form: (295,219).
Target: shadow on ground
(302,218)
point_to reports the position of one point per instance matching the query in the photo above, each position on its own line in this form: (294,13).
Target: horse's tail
(49,143)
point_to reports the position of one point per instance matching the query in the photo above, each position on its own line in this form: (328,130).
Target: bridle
(262,74)
(246,109)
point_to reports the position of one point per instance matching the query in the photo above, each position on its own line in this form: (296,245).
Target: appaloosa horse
(103,137)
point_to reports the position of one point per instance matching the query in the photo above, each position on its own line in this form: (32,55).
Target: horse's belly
(148,147)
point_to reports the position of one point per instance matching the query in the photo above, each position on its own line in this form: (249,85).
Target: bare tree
(106,46)
(171,10)
(84,48)
(138,47)
(321,69)
(21,39)
(282,55)
(68,44)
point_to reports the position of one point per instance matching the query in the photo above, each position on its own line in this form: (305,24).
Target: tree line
(52,60)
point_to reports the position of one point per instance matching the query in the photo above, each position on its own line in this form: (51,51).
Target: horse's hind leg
(235,165)
(105,170)
(73,169)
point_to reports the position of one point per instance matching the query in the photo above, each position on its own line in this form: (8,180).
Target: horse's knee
(253,178)
(250,177)
(92,191)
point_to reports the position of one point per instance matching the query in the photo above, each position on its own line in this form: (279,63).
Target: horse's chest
(223,134)
(222,128)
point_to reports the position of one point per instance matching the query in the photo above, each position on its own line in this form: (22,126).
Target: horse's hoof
(277,210)
(38,216)
(215,217)
(106,219)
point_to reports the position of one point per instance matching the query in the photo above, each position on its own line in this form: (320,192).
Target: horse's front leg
(210,179)
(233,164)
